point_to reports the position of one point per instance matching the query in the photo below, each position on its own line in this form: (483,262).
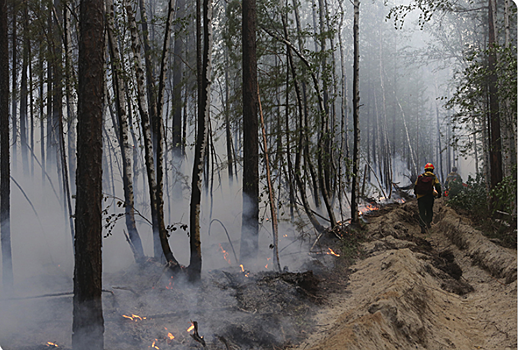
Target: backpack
(424,184)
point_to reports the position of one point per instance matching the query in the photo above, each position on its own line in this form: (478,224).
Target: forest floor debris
(450,288)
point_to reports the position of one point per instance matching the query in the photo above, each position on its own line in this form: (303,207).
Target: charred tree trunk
(88,322)
(5,171)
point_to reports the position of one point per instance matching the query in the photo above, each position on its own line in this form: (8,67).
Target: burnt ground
(450,288)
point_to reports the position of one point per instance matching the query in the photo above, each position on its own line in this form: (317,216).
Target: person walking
(453,183)
(424,190)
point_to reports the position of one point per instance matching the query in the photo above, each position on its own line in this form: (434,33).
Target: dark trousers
(425,205)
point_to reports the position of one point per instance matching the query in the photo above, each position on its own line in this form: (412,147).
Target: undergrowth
(493,212)
(350,245)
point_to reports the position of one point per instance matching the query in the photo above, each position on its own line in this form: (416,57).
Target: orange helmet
(428,166)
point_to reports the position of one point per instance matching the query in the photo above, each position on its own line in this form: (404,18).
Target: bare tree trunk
(5,171)
(356,110)
(158,227)
(271,194)
(24,92)
(228,133)
(70,80)
(204,75)
(42,111)
(159,135)
(310,167)
(177,80)
(250,218)
(14,89)
(126,151)
(301,140)
(88,322)
(495,150)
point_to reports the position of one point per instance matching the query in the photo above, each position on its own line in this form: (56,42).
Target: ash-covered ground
(144,308)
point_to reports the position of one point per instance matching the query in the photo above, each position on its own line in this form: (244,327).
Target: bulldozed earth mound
(451,288)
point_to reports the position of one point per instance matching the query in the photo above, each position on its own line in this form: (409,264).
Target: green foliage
(470,97)
(500,223)
(472,198)
(504,194)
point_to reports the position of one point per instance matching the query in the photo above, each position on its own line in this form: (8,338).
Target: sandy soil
(407,293)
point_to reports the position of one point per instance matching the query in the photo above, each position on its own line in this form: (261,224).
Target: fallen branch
(196,336)
(50,295)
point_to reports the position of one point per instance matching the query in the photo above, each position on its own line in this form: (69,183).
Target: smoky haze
(402,122)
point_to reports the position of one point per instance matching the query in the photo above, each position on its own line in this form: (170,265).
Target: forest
(199,135)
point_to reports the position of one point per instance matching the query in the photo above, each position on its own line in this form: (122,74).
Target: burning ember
(171,284)
(153,346)
(133,317)
(266,266)
(243,270)
(225,255)
(49,344)
(190,328)
(331,252)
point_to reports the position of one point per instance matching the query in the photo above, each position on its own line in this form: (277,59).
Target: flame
(266,266)
(134,317)
(170,336)
(331,252)
(242,268)
(190,328)
(225,254)
(153,346)
(52,344)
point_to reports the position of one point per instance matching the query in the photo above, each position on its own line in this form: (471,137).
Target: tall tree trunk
(177,80)
(301,141)
(14,94)
(250,217)
(70,80)
(126,151)
(204,76)
(41,110)
(159,135)
(310,167)
(24,92)
(356,110)
(88,322)
(156,198)
(5,171)
(228,133)
(271,195)
(495,149)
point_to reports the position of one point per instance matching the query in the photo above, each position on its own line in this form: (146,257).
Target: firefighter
(424,190)
(453,183)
